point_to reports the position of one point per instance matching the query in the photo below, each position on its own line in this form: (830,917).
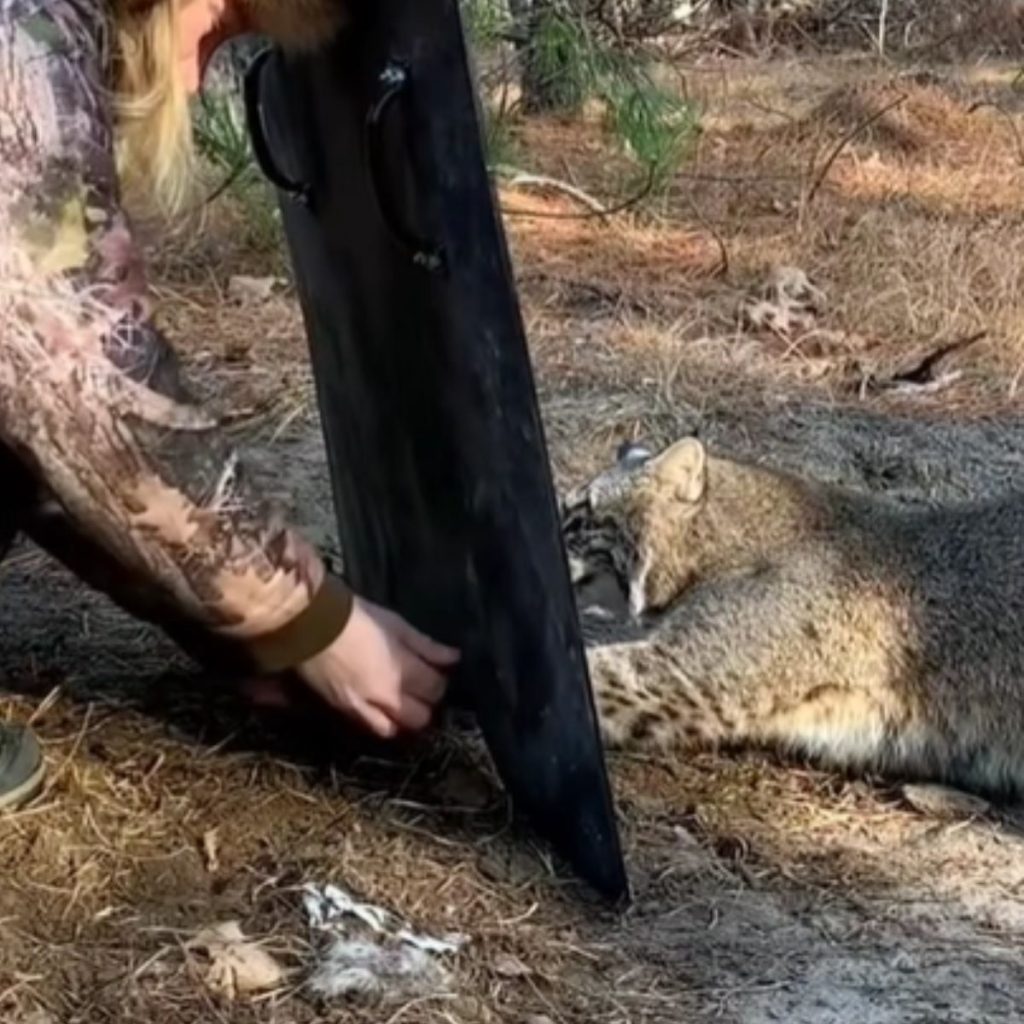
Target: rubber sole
(12,799)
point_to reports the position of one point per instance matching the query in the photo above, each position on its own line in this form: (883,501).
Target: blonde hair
(156,155)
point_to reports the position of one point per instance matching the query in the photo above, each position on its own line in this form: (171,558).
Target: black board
(445,504)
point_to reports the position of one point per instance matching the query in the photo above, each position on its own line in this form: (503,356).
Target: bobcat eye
(630,454)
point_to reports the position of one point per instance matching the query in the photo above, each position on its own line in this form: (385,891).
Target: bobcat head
(630,522)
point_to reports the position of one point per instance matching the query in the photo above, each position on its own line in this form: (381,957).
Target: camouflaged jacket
(92,409)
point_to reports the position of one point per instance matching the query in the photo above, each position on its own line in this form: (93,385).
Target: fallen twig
(921,375)
(819,178)
(523,179)
(722,270)
(595,207)
(923,371)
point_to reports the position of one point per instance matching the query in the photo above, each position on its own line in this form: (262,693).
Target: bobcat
(782,612)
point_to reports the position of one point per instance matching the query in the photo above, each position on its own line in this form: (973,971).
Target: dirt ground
(764,891)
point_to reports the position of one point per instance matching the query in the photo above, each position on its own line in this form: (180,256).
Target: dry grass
(899,198)
(764,891)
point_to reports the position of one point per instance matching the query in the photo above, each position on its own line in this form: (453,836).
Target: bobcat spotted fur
(778,611)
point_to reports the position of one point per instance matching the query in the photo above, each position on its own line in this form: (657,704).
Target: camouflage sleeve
(91,400)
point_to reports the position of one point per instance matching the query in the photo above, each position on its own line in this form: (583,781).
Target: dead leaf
(944,802)
(509,866)
(247,290)
(509,966)
(791,286)
(237,965)
(780,318)
(788,304)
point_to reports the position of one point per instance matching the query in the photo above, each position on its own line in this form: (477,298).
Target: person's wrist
(308,634)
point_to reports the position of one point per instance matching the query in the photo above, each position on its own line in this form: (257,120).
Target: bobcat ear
(683,469)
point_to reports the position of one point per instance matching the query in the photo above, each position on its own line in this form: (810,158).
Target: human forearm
(92,404)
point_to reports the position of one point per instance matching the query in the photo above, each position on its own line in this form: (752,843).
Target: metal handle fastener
(394,80)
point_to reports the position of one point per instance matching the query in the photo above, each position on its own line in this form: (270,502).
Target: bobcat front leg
(785,655)
(636,704)
(646,698)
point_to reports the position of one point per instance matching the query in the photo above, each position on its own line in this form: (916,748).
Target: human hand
(381,671)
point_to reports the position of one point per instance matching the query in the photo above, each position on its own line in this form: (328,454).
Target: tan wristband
(308,634)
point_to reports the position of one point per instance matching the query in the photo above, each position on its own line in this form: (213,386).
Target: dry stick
(922,370)
(722,270)
(523,179)
(767,108)
(604,212)
(233,175)
(883,17)
(819,179)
